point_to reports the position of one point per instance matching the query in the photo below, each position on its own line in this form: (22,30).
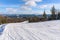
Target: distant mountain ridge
(23,15)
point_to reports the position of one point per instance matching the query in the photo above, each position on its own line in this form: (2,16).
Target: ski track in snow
(2,27)
(49,30)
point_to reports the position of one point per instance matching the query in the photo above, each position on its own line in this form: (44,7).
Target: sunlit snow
(49,30)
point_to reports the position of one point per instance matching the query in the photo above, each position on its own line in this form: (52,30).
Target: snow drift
(49,30)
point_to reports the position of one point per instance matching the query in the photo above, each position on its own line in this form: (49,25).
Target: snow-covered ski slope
(49,30)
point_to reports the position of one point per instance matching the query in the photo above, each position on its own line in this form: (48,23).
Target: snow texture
(2,27)
(49,30)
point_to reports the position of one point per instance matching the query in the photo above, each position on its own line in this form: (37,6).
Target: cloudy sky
(27,6)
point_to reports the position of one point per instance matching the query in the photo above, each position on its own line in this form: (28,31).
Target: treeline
(55,15)
(4,19)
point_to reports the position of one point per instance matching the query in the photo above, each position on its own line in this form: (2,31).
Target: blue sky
(27,6)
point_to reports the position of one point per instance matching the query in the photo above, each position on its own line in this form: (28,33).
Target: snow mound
(49,30)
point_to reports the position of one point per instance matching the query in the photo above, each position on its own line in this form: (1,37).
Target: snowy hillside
(49,30)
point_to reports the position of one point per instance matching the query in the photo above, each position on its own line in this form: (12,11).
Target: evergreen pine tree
(58,15)
(44,15)
(53,15)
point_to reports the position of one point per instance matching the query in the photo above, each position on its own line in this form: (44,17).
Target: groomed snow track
(49,30)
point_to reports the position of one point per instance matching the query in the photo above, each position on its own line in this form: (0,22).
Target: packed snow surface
(49,30)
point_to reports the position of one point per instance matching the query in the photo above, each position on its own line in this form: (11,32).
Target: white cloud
(34,0)
(49,6)
(11,10)
(22,10)
(42,6)
(38,0)
(31,12)
(18,10)
(46,6)
(31,2)
(25,8)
